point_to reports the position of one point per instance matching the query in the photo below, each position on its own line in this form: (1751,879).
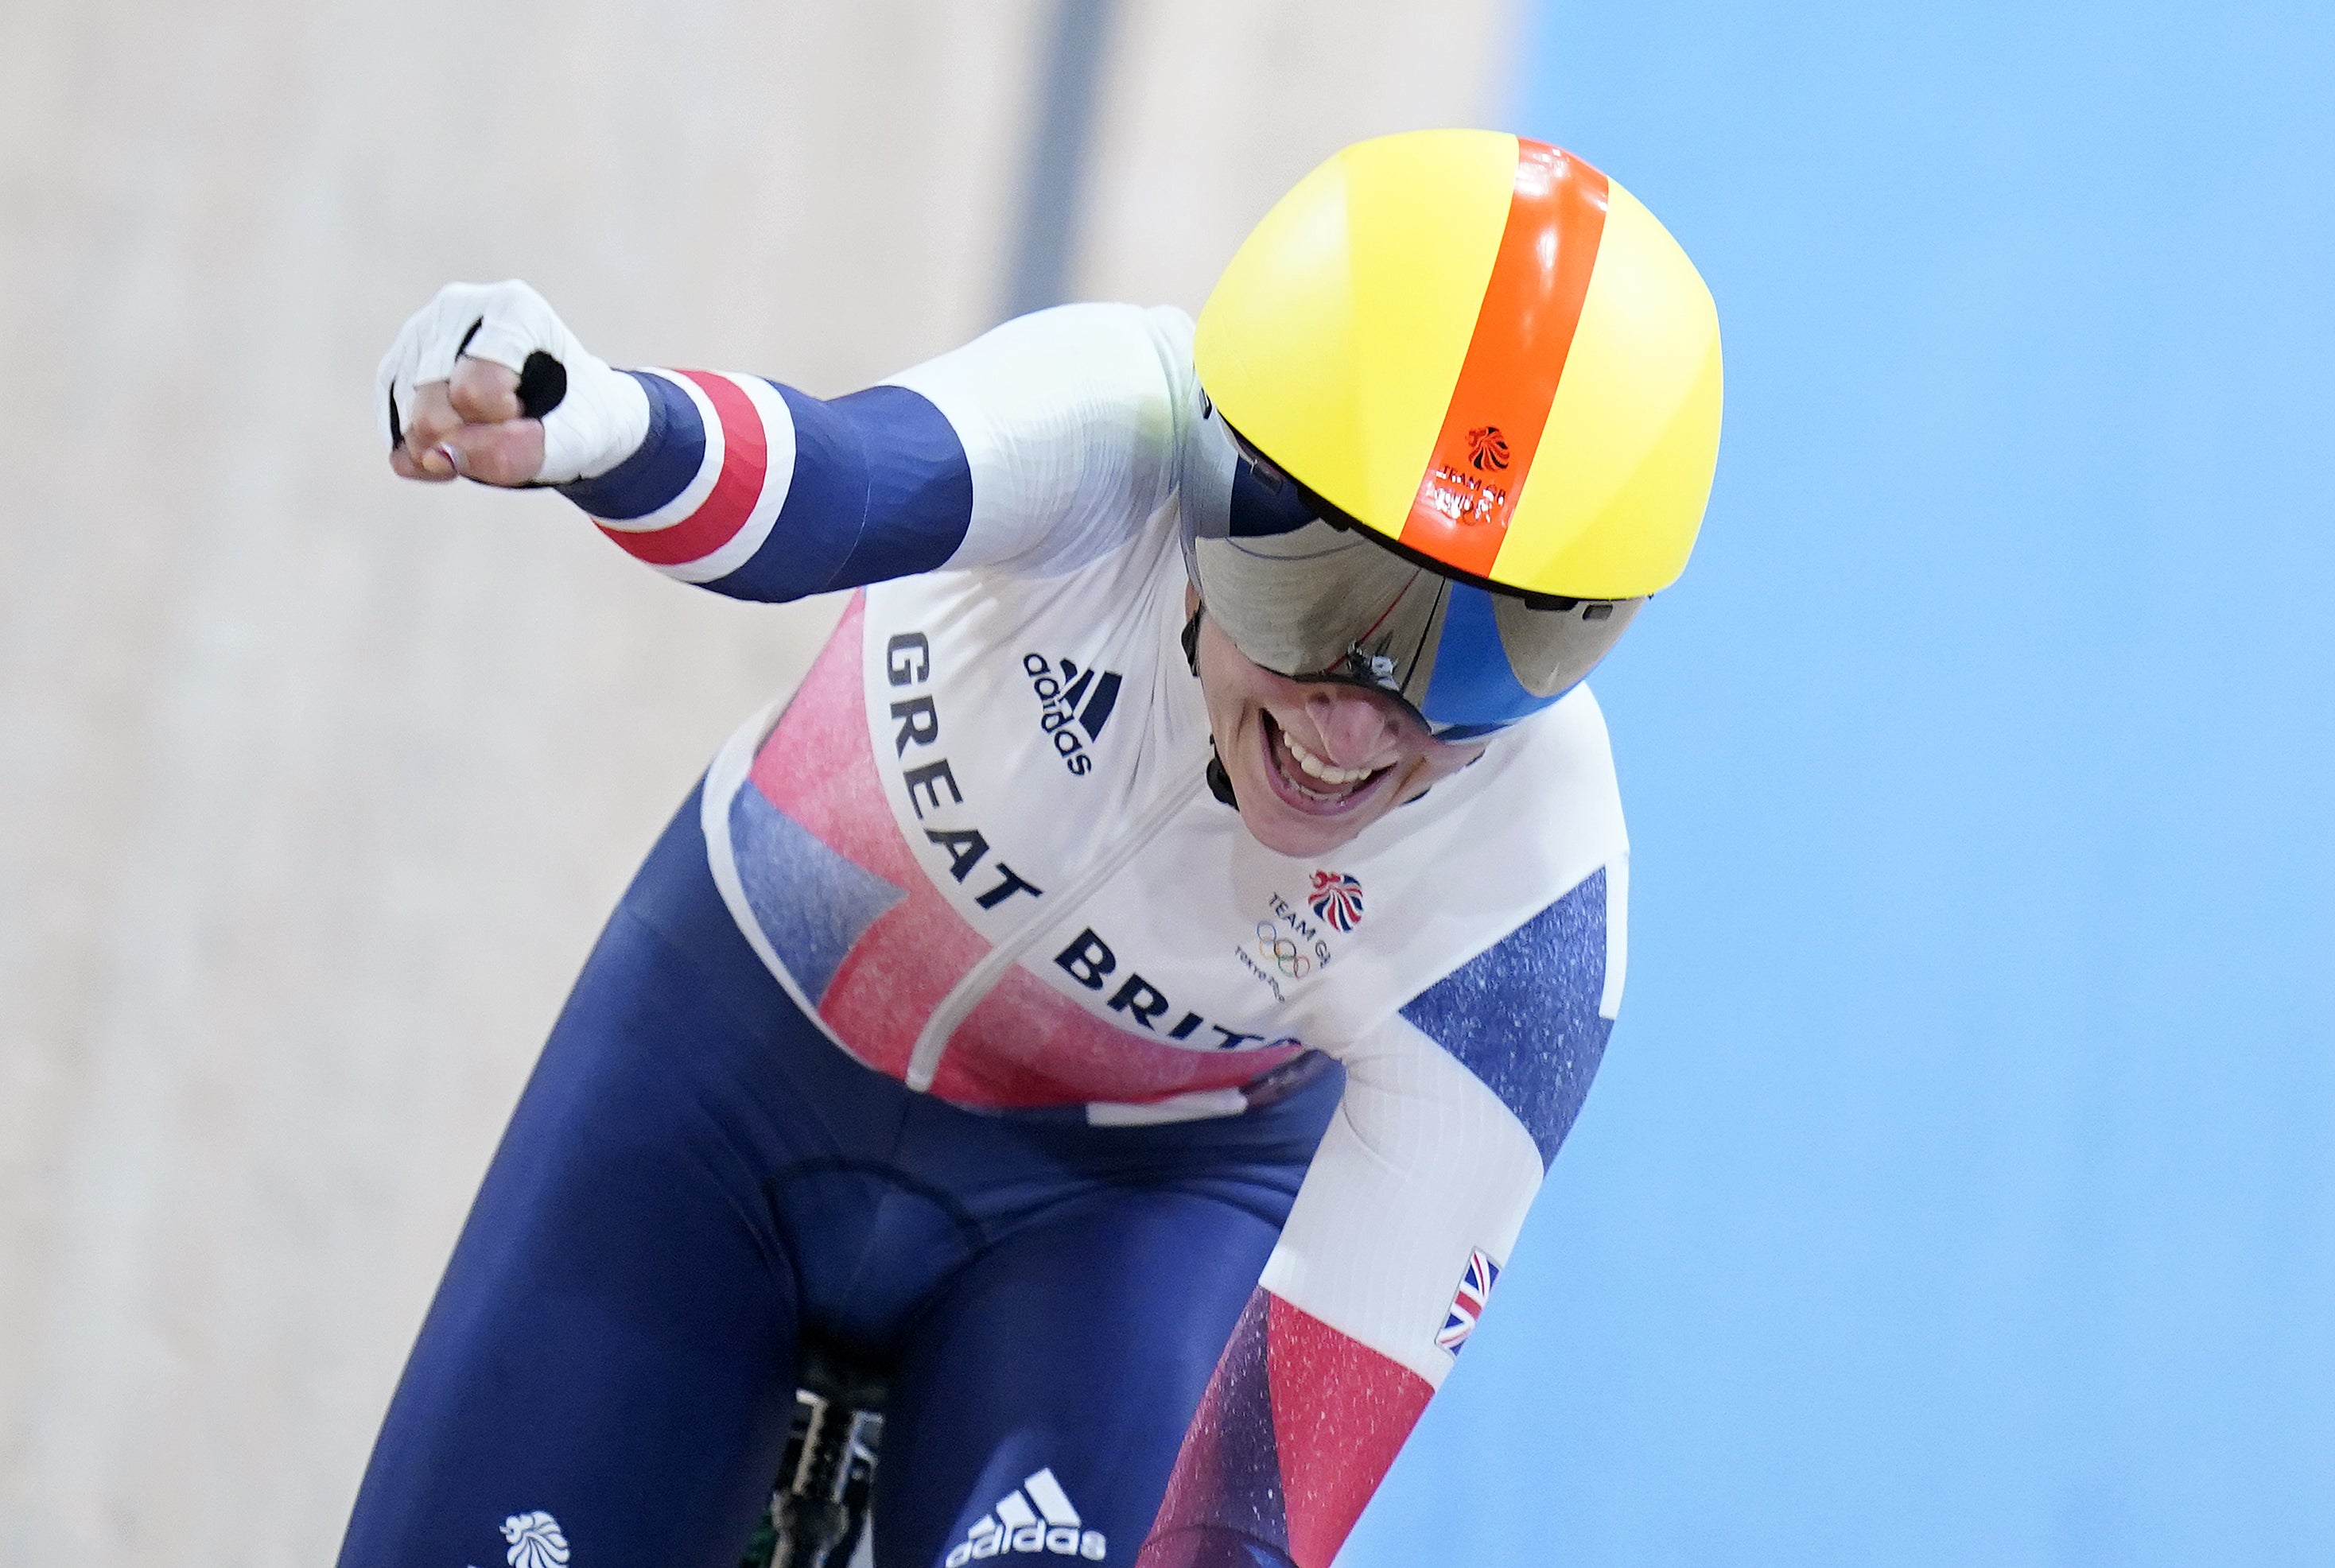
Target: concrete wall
(314,787)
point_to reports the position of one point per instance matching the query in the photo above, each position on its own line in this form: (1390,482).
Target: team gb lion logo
(1337,898)
(535,1540)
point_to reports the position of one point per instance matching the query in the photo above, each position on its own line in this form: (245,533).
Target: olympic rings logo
(1285,954)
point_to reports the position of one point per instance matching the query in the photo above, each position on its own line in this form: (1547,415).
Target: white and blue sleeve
(1035,448)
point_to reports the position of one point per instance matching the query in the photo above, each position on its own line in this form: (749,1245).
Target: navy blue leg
(611,1353)
(1077,1349)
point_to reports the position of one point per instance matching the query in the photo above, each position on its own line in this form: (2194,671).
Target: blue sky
(1959,1186)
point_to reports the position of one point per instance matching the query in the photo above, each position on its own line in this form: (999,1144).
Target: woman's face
(1312,763)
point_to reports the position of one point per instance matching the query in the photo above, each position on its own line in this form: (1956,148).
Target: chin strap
(1220,783)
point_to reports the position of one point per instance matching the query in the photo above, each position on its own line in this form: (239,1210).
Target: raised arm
(1035,448)
(1452,1111)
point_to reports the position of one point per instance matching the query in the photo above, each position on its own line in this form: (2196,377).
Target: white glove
(597,420)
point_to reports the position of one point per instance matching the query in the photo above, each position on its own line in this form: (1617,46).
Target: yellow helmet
(1485,353)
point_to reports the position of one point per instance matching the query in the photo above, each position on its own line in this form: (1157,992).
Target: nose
(1354,730)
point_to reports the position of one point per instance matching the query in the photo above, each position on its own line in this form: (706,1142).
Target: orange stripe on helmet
(1515,356)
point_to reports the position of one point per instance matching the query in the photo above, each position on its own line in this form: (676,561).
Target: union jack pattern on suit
(1467,1302)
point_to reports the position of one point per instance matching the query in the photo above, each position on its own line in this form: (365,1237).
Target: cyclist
(1139,980)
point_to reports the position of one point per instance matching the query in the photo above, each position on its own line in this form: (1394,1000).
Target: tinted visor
(1308,595)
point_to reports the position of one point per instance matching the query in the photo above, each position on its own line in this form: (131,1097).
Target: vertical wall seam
(1053,189)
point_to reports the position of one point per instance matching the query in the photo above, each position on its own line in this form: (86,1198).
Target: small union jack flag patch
(1467,1301)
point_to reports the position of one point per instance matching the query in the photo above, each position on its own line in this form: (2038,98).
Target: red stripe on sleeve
(1524,332)
(1341,1412)
(745,457)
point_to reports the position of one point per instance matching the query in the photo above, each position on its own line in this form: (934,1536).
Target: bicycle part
(818,1516)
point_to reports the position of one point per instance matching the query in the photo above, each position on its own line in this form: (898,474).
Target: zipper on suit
(932,1041)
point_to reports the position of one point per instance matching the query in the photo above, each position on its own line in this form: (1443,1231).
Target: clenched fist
(487,383)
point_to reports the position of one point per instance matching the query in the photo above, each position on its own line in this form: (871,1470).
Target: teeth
(1324,771)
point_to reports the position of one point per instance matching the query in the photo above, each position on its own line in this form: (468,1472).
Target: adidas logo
(1035,1517)
(1073,701)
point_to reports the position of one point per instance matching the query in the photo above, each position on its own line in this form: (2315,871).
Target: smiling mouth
(1308,784)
